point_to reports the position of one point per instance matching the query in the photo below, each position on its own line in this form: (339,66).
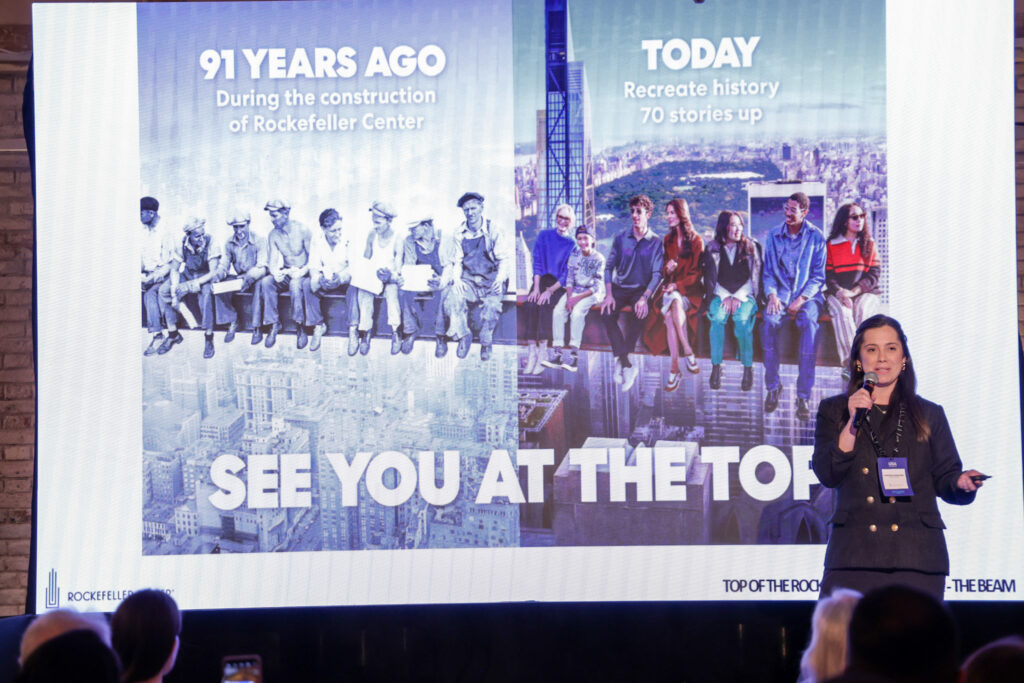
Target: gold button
(871,499)
(895,527)
(864,470)
(892,499)
(873,528)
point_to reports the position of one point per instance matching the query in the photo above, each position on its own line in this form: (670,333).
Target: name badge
(892,474)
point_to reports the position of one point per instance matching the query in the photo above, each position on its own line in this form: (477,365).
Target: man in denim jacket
(794,275)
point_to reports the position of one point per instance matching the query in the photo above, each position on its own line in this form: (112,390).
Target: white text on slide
(391,478)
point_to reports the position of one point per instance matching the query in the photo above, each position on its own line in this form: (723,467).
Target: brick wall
(17,383)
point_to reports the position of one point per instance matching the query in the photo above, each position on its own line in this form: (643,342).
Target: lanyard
(874,437)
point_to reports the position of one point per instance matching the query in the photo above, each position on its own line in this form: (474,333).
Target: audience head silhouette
(79,655)
(58,622)
(1001,661)
(145,635)
(904,635)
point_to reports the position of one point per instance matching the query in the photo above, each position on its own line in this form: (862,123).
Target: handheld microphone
(870,380)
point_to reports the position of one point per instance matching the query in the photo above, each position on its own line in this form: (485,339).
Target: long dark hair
(683,235)
(864,239)
(746,245)
(905,390)
(143,630)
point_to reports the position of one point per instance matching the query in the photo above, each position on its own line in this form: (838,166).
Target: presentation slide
(396,340)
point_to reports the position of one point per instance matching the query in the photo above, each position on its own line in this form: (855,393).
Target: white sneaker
(617,376)
(531,360)
(629,376)
(673,381)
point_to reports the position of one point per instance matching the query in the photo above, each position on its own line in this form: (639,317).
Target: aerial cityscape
(250,400)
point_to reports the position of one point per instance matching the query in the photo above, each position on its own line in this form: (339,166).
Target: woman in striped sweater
(851,275)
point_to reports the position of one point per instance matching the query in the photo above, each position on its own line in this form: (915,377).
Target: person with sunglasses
(851,276)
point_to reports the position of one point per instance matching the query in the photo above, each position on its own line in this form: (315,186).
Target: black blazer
(710,260)
(869,530)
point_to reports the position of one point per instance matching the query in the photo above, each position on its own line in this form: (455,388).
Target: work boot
(318,333)
(353,341)
(172,339)
(154,345)
(407,343)
(272,335)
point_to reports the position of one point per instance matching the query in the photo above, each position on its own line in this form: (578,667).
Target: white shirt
(154,247)
(327,260)
(743,293)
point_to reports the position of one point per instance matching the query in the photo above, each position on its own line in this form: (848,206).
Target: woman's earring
(904,368)
(860,368)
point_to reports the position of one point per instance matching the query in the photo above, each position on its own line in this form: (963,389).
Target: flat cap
(469,195)
(149,204)
(383,208)
(425,218)
(239,217)
(193,223)
(277,205)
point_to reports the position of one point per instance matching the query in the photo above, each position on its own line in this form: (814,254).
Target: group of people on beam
(659,286)
(467,269)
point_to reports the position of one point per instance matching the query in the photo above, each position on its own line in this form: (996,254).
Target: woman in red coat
(681,291)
